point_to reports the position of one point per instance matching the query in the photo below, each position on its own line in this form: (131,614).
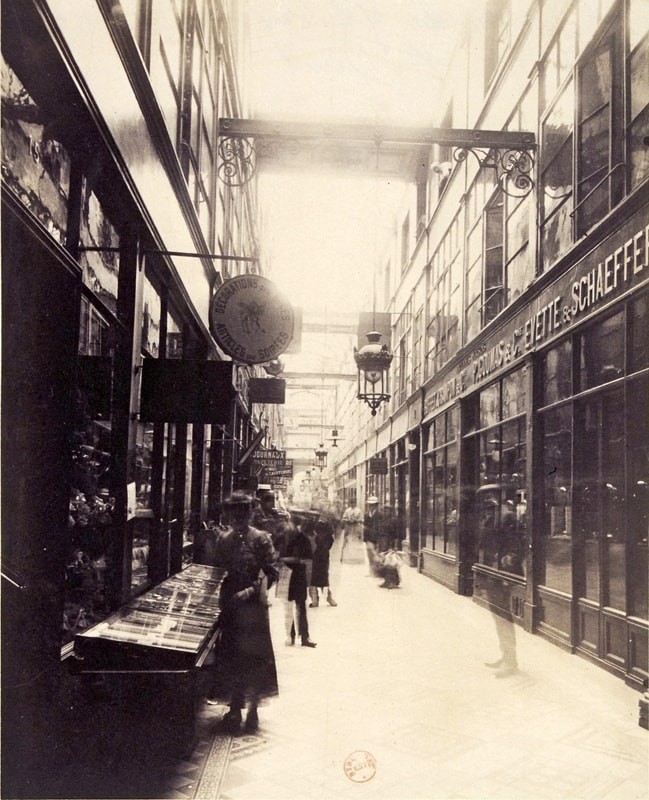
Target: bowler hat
(238,499)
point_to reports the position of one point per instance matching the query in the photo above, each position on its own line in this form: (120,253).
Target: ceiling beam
(378,135)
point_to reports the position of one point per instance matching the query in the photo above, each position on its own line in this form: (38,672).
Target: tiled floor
(396,702)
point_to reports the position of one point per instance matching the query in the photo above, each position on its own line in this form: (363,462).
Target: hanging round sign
(250,320)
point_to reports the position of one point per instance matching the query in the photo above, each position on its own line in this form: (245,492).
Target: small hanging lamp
(321,457)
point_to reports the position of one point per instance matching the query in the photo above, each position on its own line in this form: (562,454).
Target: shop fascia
(618,264)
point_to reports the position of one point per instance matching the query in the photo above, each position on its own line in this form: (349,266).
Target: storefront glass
(557,523)
(100,263)
(501,492)
(91,540)
(34,164)
(596,470)
(441,485)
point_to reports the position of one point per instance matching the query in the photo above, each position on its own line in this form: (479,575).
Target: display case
(168,628)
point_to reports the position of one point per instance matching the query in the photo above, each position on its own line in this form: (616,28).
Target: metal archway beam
(390,151)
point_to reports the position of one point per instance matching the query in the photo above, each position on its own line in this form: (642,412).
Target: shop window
(90,537)
(501,475)
(441,485)
(174,337)
(143,465)
(514,393)
(100,267)
(151,319)
(557,373)
(599,498)
(34,165)
(490,405)
(602,352)
(596,469)
(557,473)
(638,493)
(638,350)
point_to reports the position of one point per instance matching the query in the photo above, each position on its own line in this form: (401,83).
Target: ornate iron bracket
(237,160)
(513,168)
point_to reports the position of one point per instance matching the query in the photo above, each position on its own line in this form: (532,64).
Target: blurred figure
(265,517)
(245,658)
(372,531)
(324,539)
(499,597)
(387,535)
(296,552)
(499,547)
(352,549)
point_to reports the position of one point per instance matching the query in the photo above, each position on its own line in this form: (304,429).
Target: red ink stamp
(360,766)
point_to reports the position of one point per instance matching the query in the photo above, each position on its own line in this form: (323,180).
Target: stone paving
(396,702)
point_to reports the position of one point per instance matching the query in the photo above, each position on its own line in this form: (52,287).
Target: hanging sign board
(267,390)
(250,320)
(285,471)
(378,465)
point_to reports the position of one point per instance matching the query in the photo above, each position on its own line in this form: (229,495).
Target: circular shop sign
(250,320)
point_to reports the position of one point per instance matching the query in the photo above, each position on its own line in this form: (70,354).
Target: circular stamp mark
(360,766)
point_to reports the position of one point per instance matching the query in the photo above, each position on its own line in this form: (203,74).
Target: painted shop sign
(250,320)
(619,263)
(276,457)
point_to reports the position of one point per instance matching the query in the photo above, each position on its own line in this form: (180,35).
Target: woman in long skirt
(324,539)
(245,661)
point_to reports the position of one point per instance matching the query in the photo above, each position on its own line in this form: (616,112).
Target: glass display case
(168,628)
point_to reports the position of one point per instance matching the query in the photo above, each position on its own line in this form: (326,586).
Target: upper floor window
(498,34)
(405,242)
(499,266)
(594,133)
(444,301)
(179,43)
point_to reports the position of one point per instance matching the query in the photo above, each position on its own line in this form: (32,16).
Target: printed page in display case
(165,628)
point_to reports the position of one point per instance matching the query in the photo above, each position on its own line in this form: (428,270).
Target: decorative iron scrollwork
(513,167)
(237,160)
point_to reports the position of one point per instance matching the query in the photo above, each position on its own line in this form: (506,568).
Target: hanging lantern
(321,457)
(373,362)
(274,367)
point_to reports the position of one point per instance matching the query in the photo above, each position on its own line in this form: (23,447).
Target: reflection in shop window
(501,494)
(638,351)
(90,535)
(557,522)
(151,317)
(442,485)
(602,352)
(143,458)
(100,267)
(557,373)
(638,494)
(35,166)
